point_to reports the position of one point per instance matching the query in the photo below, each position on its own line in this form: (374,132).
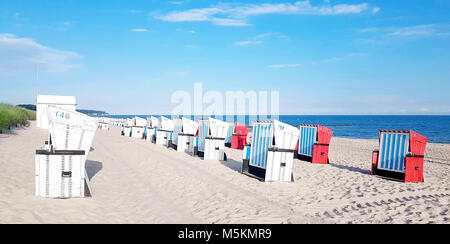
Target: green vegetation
(13,115)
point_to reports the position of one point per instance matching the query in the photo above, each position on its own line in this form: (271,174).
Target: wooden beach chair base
(61,174)
(413,169)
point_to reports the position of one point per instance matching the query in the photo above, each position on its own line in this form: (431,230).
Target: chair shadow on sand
(233,164)
(349,168)
(92,168)
(237,166)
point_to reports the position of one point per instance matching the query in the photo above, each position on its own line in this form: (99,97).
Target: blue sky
(323,56)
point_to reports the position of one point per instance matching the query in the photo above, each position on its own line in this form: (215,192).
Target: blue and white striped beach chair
(270,156)
(308,136)
(314,143)
(401,155)
(394,147)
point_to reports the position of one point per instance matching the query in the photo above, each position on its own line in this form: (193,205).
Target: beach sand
(135,181)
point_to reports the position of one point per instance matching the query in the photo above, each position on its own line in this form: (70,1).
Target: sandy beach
(135,181)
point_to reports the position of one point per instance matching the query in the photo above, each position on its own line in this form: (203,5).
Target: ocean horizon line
(435,127)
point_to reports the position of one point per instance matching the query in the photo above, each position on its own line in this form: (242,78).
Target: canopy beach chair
(211,138)
(400,156)
(126,128)
(271,154)
(239,138)
(114,121)
(138,128)
(186,138)
(120,122)
(164,131)
(177,128)
(60,168)
(314,143)
(103,123)
(150,130)
(117,122)
(230,133)
(138,121)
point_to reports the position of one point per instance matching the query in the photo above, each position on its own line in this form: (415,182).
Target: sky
(322,56)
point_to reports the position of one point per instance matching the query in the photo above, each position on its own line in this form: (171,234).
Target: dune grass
(13,115)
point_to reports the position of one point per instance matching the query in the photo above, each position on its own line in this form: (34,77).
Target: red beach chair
(401,155)
(314,142)
(239,138)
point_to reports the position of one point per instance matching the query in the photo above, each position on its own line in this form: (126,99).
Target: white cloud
(22,54)
(335,59)
(375,10)
(323,61)
(244,43)
(176,2)
(237,14)
(258,38)
(229,22)
(416,31)
(186,31)
(203,14)
(419,30)
(139,30)
(272,34)
(135,11)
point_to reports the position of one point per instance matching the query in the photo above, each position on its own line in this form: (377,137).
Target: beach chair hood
(189,126)
(240,129)
(286,136)
(128,122)
(71,130)
(152,122)
(218,128)
(138,121)
(166,124)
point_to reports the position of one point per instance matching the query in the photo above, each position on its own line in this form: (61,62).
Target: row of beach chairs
(268,152)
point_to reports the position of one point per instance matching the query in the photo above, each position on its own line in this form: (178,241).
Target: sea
(435,127)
